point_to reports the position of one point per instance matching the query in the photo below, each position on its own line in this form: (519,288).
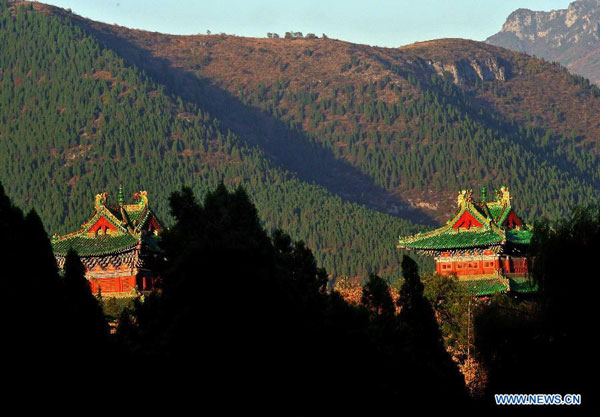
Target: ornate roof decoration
(112,229)
(476,225)
(120,196)
(100,200)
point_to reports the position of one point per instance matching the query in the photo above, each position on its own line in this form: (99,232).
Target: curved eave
(454,240)
(90,247)
(451,247)
(102,253)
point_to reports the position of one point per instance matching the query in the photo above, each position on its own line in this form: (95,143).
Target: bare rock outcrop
(569,36)
(467,71)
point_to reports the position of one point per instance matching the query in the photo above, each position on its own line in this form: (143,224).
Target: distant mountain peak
(578,22)
(570,36)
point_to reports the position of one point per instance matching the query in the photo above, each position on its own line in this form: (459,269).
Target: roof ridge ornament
(120,196)
(141,198)
(503,195)
(100,200)
(464,197)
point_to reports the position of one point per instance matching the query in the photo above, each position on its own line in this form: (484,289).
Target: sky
(388,23)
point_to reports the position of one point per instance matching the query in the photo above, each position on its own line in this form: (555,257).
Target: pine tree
(376,297)
(412,299)
(85,318)
(422,332)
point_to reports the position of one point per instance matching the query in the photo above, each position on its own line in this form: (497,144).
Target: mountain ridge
(570,36)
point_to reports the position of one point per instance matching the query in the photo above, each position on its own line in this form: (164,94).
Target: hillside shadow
(291,149)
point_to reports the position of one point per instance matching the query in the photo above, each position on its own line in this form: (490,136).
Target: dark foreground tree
(547,343)
(243,320)
(31,288)
(52,326)
(423,336)
(86,324)
(248,315)
(376,297)
(451,304)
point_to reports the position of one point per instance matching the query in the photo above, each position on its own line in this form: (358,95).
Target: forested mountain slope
(75,119)
(310,126)
(420,121)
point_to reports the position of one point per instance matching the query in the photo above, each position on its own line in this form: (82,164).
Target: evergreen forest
(75,120)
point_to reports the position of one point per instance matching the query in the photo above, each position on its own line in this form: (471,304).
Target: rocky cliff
(570,36)
(464,71)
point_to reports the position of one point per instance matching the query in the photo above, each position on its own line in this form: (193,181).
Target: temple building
(485,241)
(115,245)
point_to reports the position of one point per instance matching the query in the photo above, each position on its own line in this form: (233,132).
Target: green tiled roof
(139,218)
(451,239)
(98,245)
(523,285)
(495,210)
(490,216)
(521,237)
(481,287)
(128,221)
(488,286)
(136,215)
(133,212)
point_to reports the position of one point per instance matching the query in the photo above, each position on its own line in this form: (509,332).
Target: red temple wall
(112,284)
(515,265)
(467,268)
(144,282)
(482,267)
